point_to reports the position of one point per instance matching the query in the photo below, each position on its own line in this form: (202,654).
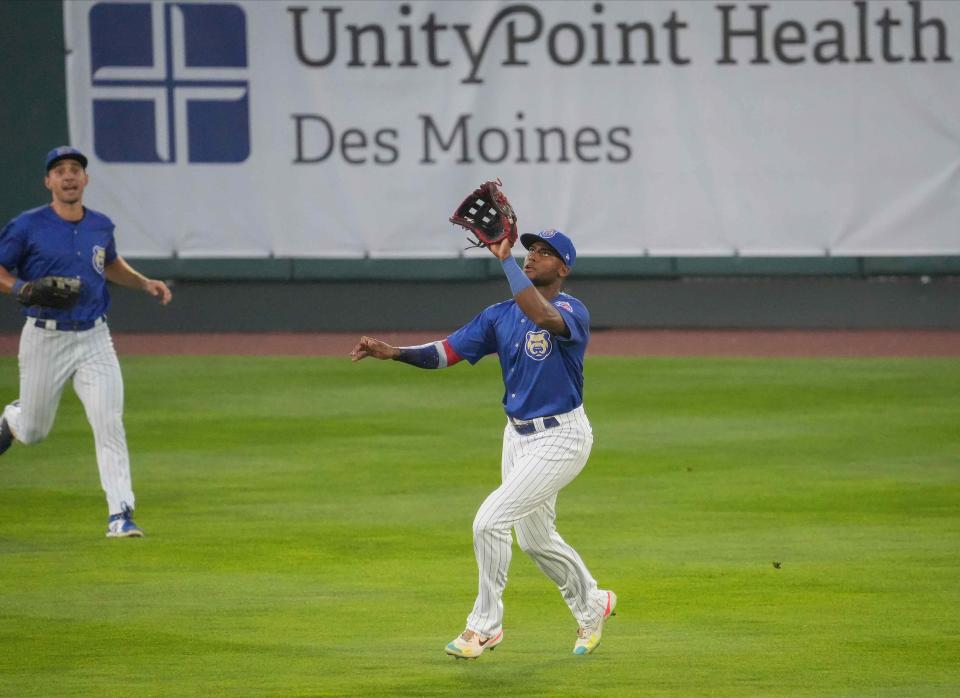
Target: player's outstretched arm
(438,354)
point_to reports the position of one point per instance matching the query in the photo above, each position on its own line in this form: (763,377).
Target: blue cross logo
(169,82)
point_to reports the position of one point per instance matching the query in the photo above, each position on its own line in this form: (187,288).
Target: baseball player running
(540,337)
(63,255)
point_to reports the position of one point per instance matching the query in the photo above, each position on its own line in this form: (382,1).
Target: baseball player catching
(63,255)
(540,337)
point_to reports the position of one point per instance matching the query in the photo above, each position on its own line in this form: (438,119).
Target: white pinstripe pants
(534,469)
(48,359)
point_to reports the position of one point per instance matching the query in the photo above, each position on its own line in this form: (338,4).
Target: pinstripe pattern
(534,468)
(48,359)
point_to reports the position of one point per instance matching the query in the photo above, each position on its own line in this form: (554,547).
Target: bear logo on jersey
(538,345)
(99,257)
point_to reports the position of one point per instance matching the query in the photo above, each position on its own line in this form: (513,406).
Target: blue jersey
(39,243)
(542,372)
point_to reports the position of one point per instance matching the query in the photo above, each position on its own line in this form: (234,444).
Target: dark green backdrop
(33,111)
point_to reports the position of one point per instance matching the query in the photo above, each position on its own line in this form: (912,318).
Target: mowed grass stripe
(308,533)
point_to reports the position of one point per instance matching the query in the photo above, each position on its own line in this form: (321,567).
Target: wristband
(422,356)
(17,285)
(518,280)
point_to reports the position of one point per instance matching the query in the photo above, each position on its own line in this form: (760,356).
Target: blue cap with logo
(65,152)
(560,243)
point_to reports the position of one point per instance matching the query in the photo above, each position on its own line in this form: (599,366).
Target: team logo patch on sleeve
(566,306)
(99,257)
(538,345)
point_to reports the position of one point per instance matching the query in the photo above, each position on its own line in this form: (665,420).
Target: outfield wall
(369,292)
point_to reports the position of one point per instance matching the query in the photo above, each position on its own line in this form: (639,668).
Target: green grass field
(308,534)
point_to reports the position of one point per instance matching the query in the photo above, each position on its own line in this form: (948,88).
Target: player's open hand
(503,249)
(368,346)
(159,290)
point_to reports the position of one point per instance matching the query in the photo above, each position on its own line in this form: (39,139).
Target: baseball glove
(487,214)
(51,292)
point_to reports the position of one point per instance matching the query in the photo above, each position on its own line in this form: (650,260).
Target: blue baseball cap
(560,243)
(65,152)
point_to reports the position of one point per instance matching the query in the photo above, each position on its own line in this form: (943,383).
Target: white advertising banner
(353,129)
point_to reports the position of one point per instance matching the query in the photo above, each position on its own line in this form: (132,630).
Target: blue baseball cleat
(6,433)
(6,436)
(122,526)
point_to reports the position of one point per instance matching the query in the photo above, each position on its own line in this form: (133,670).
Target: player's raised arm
(536,284)
(489,215)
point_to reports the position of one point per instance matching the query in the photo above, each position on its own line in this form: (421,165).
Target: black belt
(524,426)
(69,325)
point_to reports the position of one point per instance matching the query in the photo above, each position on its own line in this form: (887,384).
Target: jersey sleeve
(576,317)
(110,253)
(476,339)
(12,242)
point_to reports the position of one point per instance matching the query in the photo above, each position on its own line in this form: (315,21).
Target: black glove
(487,214)
(51,292)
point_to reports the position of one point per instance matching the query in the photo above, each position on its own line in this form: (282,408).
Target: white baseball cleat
(470,645)
(588,637)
